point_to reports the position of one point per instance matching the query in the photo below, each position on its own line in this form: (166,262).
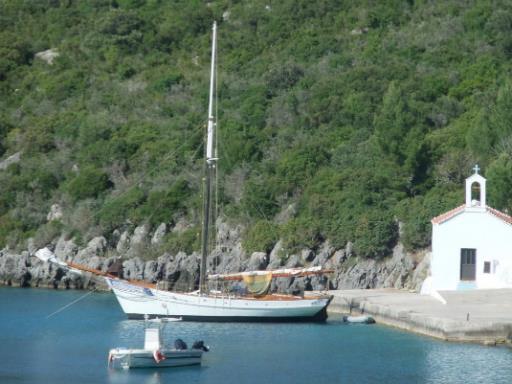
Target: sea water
(72,347)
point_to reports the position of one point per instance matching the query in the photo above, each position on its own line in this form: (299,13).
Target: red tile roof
(448,215)
(500,215)
(454,212)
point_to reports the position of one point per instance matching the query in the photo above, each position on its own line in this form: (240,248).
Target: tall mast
(209,168)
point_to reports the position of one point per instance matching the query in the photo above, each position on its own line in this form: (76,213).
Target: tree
(499,175)
(501,114)
(89,182)
(393,123)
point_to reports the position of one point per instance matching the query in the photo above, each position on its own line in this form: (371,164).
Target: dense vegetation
(338,119)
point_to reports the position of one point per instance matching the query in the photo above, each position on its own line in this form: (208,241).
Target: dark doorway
(467,264)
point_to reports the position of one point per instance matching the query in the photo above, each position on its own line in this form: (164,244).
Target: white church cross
(476,168)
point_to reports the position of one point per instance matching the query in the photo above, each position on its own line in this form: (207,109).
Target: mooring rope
(70,304)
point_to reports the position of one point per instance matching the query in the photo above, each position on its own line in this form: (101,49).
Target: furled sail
(285,272)
(258,284)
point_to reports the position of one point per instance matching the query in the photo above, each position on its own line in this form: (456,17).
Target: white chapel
(471,244)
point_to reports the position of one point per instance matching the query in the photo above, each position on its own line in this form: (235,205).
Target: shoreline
(52,288)
(483,317)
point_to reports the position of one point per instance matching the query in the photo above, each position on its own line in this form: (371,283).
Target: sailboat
(141,300)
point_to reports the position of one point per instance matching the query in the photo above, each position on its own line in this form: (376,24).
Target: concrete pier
(482,316)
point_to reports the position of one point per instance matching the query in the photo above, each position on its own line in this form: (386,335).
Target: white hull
(122,358)
(138,302)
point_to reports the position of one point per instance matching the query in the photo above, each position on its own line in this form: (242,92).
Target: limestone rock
(183,272)
(230,256)
(13,159)
(133,269)
(31,246)
(338,258)
(114,239)
(324,253)
(294,261)
(281,284)
(359,31)
(319,283)
(307,255)
(96,247)
(396,272)
(257,262)
(23,271)
(140,235)
(124,243)
(299,285)
(65,249)
(213,261)
(48,56)
(275,260)
(349,249)
(181,225)
(55,213)
(402,269)
(98,244)
(230,263)
(422,271)
(95,262)
(159,234)
(286,214)
(227,235)
(152,271)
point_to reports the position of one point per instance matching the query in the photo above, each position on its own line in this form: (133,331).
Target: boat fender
(158,356)
(363,319)
(199,344)
(180,345)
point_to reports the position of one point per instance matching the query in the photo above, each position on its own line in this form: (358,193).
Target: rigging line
(70,304)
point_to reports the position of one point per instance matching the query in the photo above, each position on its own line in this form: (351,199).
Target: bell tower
(479,180)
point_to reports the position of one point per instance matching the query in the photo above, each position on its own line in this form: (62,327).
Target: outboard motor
(180,345)
(200,345)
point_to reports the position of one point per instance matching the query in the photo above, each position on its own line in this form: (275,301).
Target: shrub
(162,205)
(167,81)
(89,182)
(116,210)
(300,233)
(416,214)
(187,241)
(11,231)
(376,233)
(13,52)
(283,78)
(499,174)
(258,200)
(300,164)
(261,237)
(4,128)
(47,232)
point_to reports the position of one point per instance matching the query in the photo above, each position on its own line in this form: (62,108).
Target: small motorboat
(155,354)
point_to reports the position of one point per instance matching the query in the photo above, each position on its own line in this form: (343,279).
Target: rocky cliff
(181,271)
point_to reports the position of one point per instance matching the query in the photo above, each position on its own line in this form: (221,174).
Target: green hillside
(338,119)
